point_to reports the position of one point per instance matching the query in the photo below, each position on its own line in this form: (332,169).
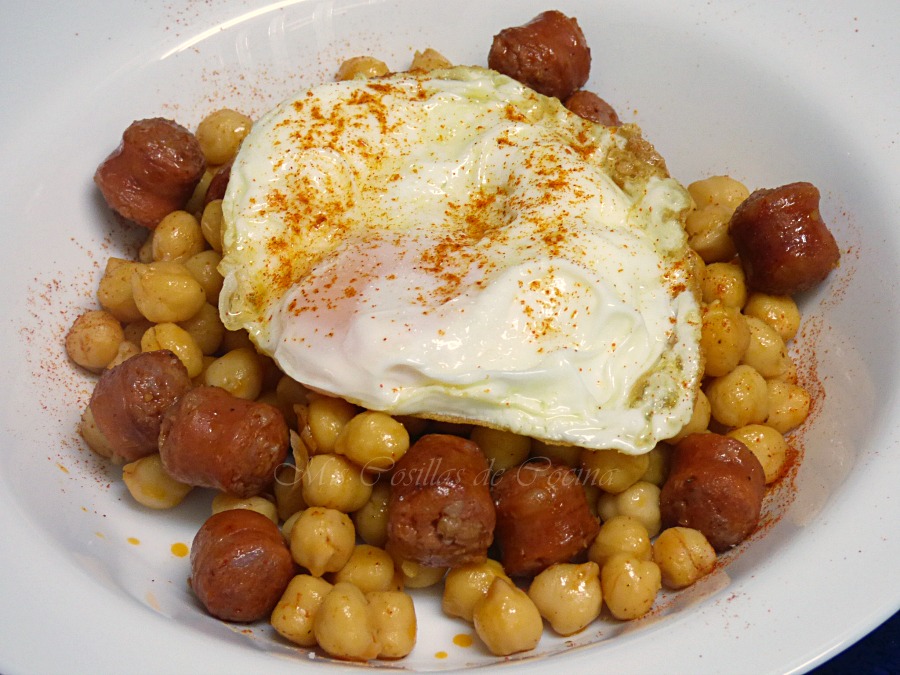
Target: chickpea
(125,351)
(335,482)
(416,575)
(295,614)
(640,501)
(134,331)
(93,340)
(212,223)
(343,626)
(718,190)
(288,490)
(371,518)
(226,502)
(322,540)
(683,555)
(288,392)
(779,311)
(150,485)
(503,449)
(788,405)
(393,616)
(195,203)
(725,282)
(220,134)
(766,352)
(767,444)
(699,421)
(238,372)
(465,585)
(369,569)
(177,237)
(204,267)
(177,340)
(568,596)
(507,620)
(206,328)
(569,455)
(96,441)
(629,585)
(165,291)
(288,525)
(326,417)
(620,534)
(707,230)
(739,398)
(429,60)
(611,470)
(361,67)
(114,292)
(724,338)
(372,440)
(658,470)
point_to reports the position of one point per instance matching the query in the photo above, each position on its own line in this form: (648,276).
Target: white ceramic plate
(767,91)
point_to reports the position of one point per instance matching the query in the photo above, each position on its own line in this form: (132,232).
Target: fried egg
(456,246)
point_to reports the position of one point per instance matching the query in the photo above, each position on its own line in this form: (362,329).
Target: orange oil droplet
(440,655)
(463,640)
(179,549)
(62,468)
(134,541)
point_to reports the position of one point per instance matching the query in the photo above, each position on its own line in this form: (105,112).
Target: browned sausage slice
(211,438)
(129,401)
(548,54)
(784,245)
(153,171)
(240,565)
(591,107)
(715,485)
(440,512)
(542,517)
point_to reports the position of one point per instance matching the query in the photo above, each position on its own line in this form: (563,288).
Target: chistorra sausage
(542,517)
(240,565)
(548,54)
(153,171)
(211,438)
(715,485)
(440,512)
(129,401)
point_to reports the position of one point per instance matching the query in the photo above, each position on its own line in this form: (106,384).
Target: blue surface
(876,654)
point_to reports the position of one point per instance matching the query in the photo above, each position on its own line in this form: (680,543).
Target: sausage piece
(715,485)
(240,565)
(548,54)
(784,245)
(440,512)
(211,438)
(591,107)
(129,401)
(153,171)
(542,517)
(218,186)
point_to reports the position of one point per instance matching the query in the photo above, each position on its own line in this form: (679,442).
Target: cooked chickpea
(239,372)
(220,134)
(90,432)
(503,449)
(326,416)
(204,267)
(629,585)
(288,491)
(430,59)
(725,282)
(640,501)
(699,421)
(707,230)
(779,311)
(658,470)
(507,620)
(177,237)
(620,534)
(114,292)
(93,340)
(176,339)
(416,575)
(788,405)
(206,328)
(295,614)
(683,555)
(361,67)
(465,585)
(212,223)
(322,540)
(568,596)
(739,398)
(343,627)
(613,471)
(724,338)
(719,190)
(226,502)
(288,525)
(335,482)
(165,291)
(150,485)
(767,444)
(145,252)
(766,352)
(372,440)
(369,569)
(288,392)
(569,455)
(393,616)
(125,351)
(134,331)
(371,518)
(195,203)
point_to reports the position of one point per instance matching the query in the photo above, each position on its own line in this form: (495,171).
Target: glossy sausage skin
(591,107)
(715,485)
(218,185)
(542,517)
(211,438)
(240,565)
(440,512)
(548,54)
(153,171)
(784,245)
(130,400)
